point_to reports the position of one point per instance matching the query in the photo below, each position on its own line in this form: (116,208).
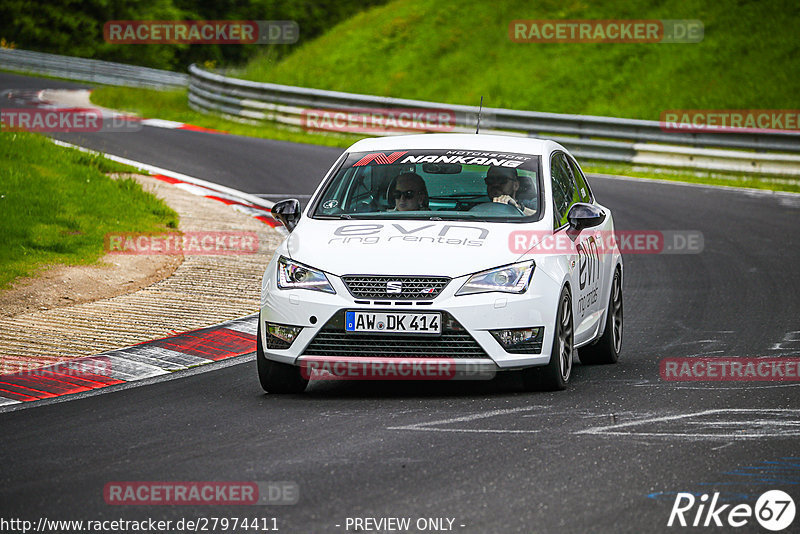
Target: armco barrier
(89,70)
(601,138)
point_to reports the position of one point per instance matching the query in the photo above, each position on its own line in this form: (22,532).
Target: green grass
(56,206)
(460,51)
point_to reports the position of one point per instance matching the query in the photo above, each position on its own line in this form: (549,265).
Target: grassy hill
(457,51)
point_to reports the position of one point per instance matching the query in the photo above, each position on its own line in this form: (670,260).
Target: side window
(583,191)
(563,188)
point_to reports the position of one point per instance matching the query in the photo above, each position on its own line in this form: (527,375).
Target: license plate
(397,323)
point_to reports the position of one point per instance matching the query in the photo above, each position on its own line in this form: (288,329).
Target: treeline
(75,27)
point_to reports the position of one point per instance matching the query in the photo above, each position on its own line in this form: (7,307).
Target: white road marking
(750,433)
(791,338)
(282,196)
(739,386)
(428,427)
(4,401)
(704,353)
(765,422)
(722,446)
(162,123)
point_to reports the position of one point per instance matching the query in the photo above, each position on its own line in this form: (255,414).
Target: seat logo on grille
(394,286)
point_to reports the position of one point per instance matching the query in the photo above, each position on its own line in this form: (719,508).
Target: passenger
(502,184)
(409,192)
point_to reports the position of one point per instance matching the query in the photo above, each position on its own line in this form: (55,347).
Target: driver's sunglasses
(405,194)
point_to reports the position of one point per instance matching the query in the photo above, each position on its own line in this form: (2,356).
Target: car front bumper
(477,314)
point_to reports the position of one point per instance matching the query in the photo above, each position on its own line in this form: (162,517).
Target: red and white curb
(172,125)
(259,212)
(157,357)
(246,203)
(152,358)
(77,100)
(146,360)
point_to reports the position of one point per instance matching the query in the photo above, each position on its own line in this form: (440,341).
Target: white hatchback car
(442,256)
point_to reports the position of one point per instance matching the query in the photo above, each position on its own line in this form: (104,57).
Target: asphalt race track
(607,455)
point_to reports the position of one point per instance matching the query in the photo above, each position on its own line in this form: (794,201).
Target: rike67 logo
(774,510)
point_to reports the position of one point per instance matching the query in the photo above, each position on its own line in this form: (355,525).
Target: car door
(586,274)
(604,234)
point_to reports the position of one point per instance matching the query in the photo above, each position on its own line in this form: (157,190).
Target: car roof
(453,141)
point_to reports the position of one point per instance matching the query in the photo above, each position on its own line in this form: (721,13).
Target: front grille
(454,342)
(410,287)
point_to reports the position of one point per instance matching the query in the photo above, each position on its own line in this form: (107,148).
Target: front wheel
(555,375)
(276,377)
(608,347)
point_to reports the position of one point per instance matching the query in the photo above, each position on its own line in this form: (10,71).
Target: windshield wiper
(339,216)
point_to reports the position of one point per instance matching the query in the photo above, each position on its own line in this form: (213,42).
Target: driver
(409,192)
(502,184)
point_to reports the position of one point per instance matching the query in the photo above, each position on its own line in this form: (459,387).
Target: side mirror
(288,212)
(582,215)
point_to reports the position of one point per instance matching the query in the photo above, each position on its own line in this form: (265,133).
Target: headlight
(294,275)
(509,279)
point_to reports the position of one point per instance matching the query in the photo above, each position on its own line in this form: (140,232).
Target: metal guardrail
(89,70)
(601,138)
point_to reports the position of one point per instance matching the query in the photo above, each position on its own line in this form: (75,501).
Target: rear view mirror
(287,212)
(582,215)
(441,168)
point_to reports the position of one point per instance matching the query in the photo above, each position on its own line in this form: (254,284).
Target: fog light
(520,340)
(281,336)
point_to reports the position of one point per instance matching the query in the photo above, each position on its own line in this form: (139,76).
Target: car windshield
(433,184)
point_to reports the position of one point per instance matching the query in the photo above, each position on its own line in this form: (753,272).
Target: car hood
(407,247)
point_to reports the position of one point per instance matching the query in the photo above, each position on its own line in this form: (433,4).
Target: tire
(556,374)
(607,349)
(276,377)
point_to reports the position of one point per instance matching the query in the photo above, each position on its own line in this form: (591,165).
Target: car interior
(451,188)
